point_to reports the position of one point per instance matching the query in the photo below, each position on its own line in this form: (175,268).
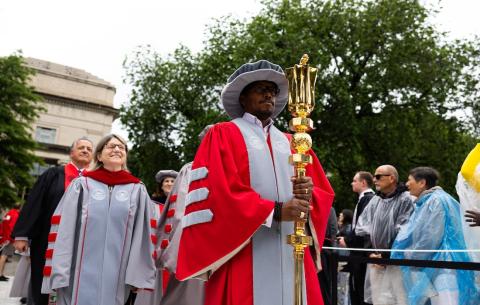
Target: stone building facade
(77,104)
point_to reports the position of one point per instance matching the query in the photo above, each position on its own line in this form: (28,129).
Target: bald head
(386,179)
(390,170)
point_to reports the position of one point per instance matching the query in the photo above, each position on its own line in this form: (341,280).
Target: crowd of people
(215,232)
(415,221)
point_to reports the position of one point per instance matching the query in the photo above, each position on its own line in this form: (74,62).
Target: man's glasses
(379,176)
(112,146)
(266,89)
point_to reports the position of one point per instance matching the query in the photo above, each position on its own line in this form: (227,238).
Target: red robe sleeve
(237,210)
(322,200)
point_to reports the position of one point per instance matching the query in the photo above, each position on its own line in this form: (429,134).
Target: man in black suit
(33,223)
(362,185)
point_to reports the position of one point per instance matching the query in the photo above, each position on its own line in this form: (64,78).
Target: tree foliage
(390,89)
(19,106)
(169,106)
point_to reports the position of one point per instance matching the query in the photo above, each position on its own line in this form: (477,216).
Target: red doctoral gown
(226,213)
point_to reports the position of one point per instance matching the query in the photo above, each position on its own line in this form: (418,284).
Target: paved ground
(5,286)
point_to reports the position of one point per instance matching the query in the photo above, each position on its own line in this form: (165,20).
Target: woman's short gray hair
(101,145)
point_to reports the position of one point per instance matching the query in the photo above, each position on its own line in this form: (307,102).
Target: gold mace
(301,94)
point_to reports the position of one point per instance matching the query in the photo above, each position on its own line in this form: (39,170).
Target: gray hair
(74,144)
(101,145)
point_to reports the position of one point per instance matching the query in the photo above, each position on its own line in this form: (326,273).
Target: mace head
(304,60)
(301,88)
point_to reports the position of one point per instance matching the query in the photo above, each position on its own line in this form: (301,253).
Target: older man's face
(81,154)
(383,179)
(260,99)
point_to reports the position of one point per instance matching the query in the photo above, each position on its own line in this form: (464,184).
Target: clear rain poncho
(435,225)
(469,200)
(381,220)
(468,190)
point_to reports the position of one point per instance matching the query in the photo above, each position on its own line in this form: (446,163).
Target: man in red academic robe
(239,212)
(34,221)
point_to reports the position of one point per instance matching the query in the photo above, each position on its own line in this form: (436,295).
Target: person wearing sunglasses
(242,200)
(436,224)
(380,222)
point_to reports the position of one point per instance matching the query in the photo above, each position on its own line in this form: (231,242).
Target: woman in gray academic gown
(101,245)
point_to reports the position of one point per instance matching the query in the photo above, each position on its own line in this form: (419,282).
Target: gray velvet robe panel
(270,173)
(190,292)
(113,248)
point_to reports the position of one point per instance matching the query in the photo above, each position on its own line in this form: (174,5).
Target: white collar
(369,190)
(254,120)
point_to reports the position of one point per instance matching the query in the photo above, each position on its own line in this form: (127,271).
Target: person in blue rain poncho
(435,224)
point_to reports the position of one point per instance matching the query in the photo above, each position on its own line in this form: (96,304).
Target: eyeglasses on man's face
(274,91)
(112,146)
(379,176)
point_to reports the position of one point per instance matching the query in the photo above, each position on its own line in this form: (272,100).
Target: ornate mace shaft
(301,93)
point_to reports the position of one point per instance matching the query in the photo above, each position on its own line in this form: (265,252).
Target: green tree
(19,106)
(168,107)
(388,85)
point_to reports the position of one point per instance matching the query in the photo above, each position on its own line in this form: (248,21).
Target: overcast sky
(97,35)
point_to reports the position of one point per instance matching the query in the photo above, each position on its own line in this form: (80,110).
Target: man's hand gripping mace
(301,93)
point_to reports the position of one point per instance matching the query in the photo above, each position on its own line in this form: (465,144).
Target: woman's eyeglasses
(112,146)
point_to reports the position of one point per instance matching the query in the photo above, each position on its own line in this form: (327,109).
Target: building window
(45,135)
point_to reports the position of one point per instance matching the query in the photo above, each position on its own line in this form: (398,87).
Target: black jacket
(34,223)
(351,239)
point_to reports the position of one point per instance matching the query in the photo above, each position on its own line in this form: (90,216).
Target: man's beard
(263,115)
